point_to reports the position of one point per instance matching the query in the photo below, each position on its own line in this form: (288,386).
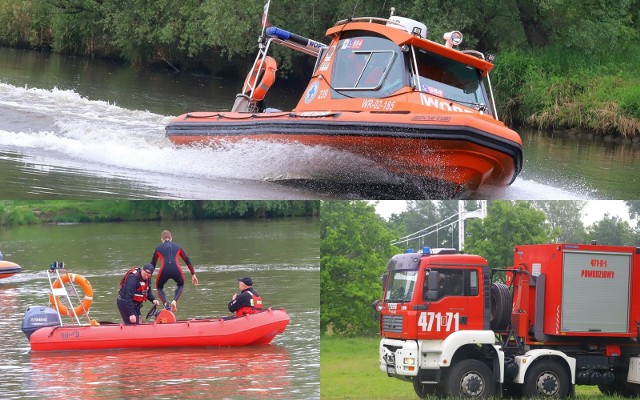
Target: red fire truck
(562,315)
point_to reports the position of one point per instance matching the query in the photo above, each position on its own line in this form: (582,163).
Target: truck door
(454,305)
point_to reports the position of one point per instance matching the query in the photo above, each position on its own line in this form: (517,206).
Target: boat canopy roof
(401,37)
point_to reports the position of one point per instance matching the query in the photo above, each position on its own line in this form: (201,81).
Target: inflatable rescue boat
(383,91)
(46,331)
(8,268)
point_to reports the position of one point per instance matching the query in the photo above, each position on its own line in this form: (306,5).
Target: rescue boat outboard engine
(37,317)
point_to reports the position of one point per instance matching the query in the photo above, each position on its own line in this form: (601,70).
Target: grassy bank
(23,212)
(556,88)
(349,370)
(35,212)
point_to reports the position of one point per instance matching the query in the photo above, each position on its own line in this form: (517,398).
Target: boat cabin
(378,64)
(380,59)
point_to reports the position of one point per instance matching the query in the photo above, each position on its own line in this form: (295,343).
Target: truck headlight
(409,361)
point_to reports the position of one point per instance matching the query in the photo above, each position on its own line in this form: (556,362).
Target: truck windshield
(401,286)
(449,79)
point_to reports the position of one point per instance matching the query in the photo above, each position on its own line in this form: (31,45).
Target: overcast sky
(593,211)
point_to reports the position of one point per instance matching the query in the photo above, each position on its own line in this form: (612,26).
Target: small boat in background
(382,91)
(8,268)
(45,330)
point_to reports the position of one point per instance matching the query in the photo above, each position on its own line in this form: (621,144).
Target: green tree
(354,248)
(565,219)
(420,215)
(507,224)
(611,230)
(633,206)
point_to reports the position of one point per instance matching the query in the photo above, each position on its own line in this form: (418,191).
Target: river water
(73,127)
(281,255)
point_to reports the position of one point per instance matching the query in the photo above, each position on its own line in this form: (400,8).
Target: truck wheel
(424,390)
(546,379)
(469,378)
(609,390)
(620,387)
(500,306)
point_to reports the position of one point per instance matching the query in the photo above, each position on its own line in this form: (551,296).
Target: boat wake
(60,144)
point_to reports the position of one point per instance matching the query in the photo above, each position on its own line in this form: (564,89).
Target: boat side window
(370,65)
(446,78)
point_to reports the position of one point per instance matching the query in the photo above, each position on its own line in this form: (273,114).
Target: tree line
(356,244)
(23,212)
(176,31)
(561,64)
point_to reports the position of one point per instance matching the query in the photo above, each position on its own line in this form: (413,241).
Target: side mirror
(432,285)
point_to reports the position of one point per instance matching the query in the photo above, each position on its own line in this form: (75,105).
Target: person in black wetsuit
(166,254)
(135,288)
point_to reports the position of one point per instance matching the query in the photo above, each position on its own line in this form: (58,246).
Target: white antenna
(265,14)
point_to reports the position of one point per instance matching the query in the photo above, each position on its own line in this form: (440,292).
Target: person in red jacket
(248,301)
(167,254)
(135,288)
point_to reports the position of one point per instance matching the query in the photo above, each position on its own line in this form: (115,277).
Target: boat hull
(462,151)
(252,329)
(8,268)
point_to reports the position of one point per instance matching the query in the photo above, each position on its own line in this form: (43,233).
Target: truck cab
(429,295)
(435,306)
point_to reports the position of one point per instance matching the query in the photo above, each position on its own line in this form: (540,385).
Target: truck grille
(392,323)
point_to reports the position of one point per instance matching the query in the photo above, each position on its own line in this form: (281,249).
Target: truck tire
(620,388)
(469,378)
(546,378)
(500,307)
(424,390)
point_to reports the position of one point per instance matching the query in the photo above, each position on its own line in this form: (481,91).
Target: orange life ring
(265,74)
(86,288)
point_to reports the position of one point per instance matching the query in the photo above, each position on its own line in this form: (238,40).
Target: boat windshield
(452,80)
(401,286)
(371,65)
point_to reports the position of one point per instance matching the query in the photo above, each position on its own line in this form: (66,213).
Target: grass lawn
(349,370)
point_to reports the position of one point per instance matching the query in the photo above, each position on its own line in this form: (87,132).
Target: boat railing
(383,21)
(480,55)
(55,273)
(295,41)
(280,36)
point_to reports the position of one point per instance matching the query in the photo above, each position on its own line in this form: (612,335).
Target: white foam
(526,189)
(61,129)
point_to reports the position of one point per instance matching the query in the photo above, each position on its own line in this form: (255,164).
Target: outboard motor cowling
(37,317)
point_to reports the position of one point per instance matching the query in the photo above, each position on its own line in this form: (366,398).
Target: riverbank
(349,370)
(559,65)
(22,212)
(558,89)
(533,90)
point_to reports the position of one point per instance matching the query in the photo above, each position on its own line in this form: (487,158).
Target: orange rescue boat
(46,331)
(8,268)
(383,91)
(253,329)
